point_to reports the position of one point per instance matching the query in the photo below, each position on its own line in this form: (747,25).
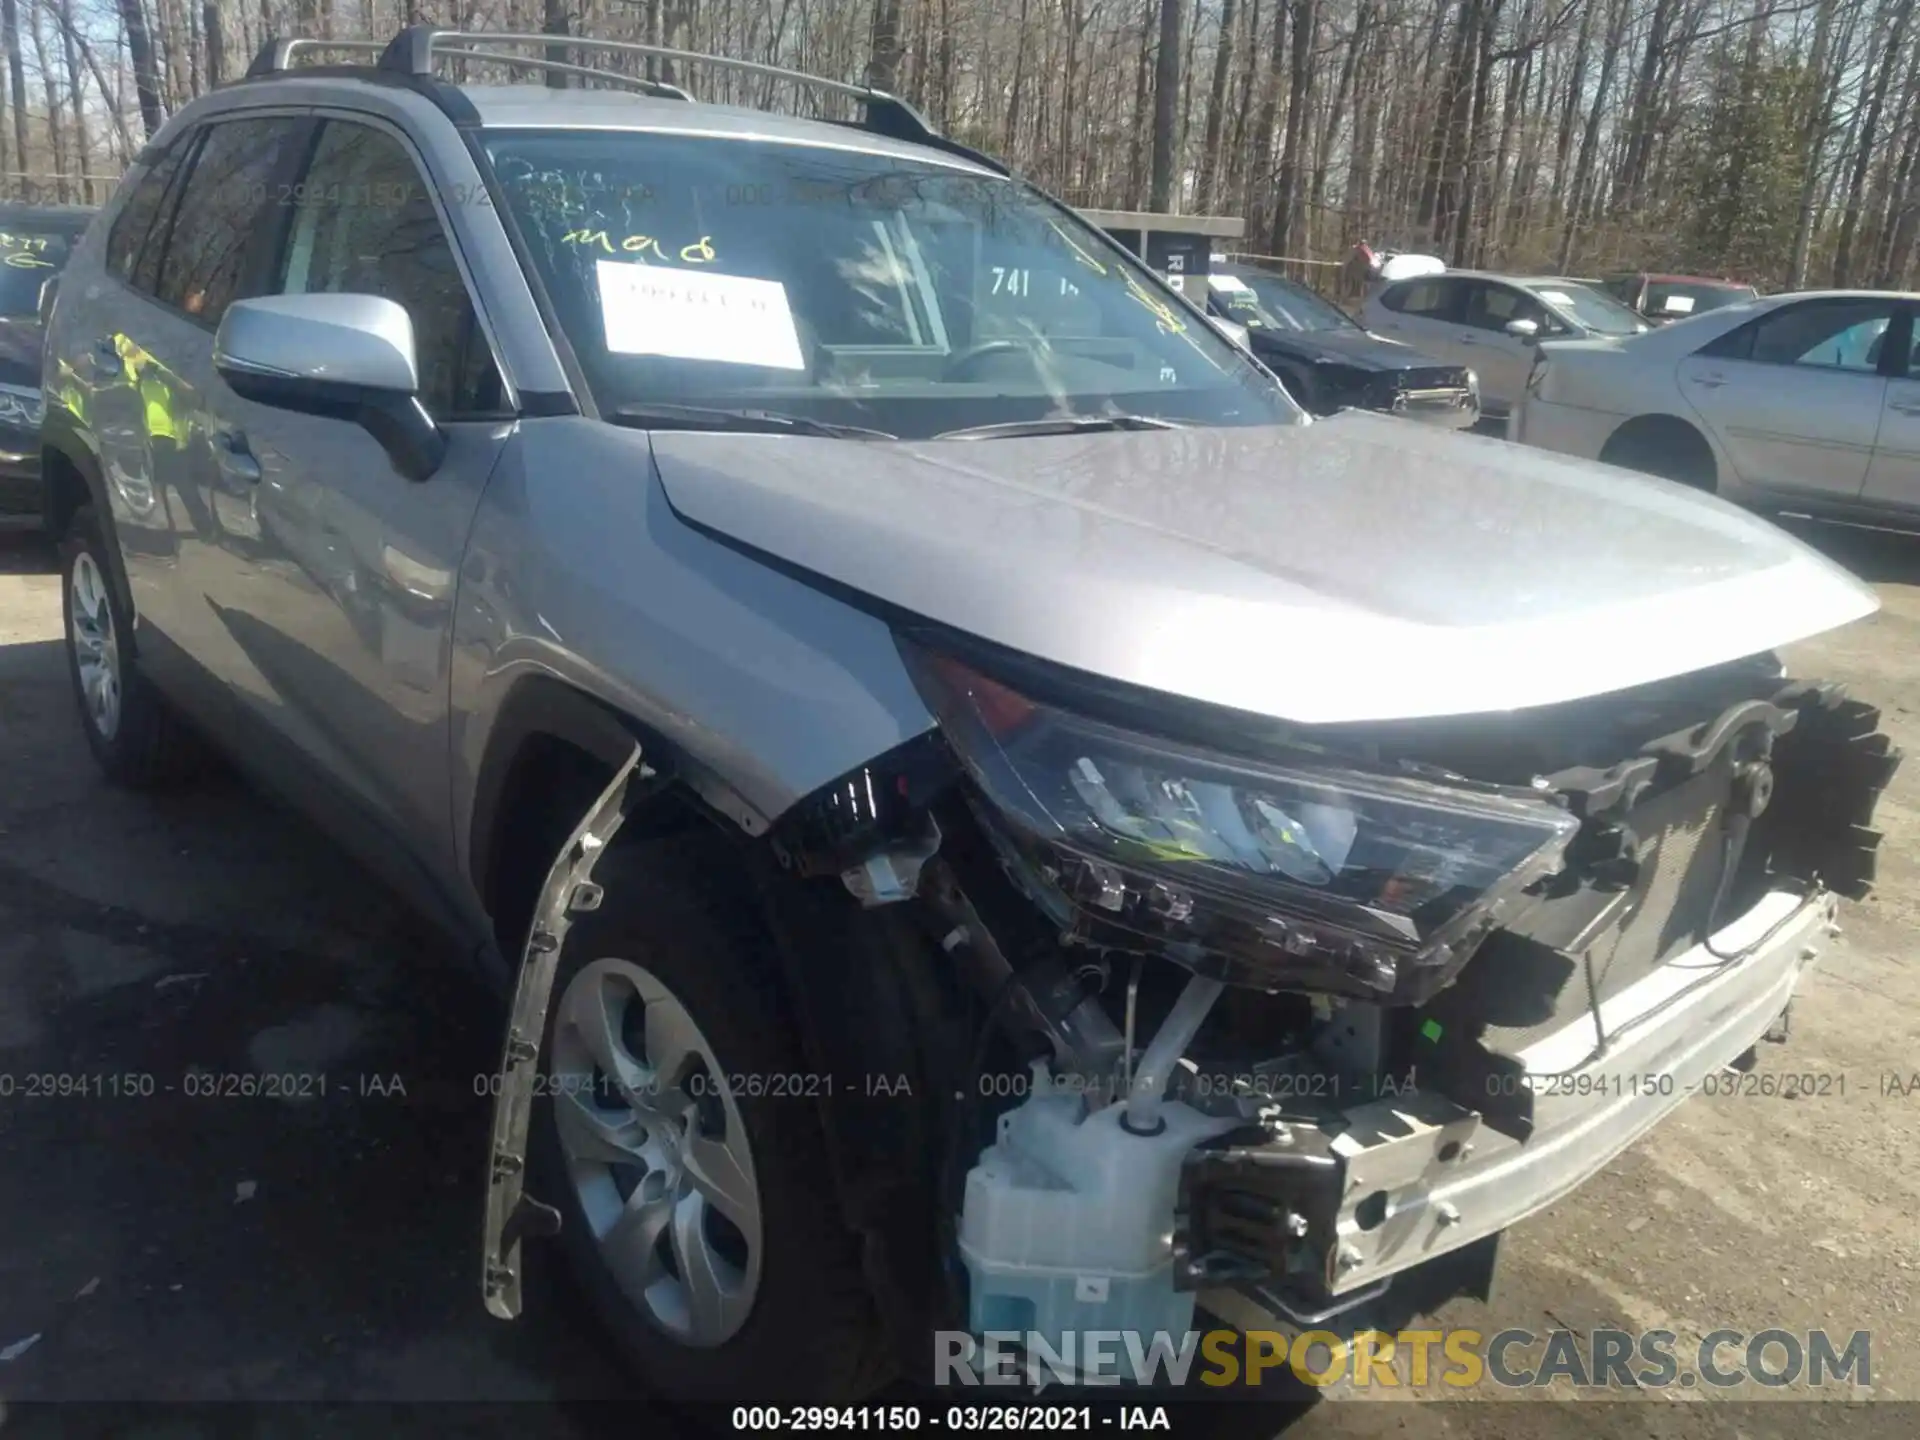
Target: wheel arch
(71,478)
(1668,433)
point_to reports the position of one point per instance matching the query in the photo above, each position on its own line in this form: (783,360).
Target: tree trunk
(210,22)
(1286,203)
(885,48)
(1166,96)
(1216,107)
(1890,58)
(146,81)
(17,77)
(82,143)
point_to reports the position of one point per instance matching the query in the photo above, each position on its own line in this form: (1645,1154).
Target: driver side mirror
(1526,331)
(345,357)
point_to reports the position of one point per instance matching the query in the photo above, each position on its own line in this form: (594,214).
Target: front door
(342,597)
(1501,360)
(1795,396)
(1893,477)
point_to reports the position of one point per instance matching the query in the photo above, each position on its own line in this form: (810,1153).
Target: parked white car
(1492,323)
(1808,401)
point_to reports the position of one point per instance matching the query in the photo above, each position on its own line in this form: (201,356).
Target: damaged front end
(1425,978)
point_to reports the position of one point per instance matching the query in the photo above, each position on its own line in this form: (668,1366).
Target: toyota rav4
(983,815)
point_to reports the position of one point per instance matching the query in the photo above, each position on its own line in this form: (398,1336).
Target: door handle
(1465,340)
(1709,382)
(1905,407)
(106,357)
(236,462)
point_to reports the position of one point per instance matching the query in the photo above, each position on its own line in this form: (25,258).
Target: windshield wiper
(741,422)
(1059,425)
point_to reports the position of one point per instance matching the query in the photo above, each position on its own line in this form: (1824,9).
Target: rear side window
(1823,334)
(1418,297)
(136,218)
(228,201)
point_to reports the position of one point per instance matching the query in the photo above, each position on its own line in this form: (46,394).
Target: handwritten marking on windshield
(701,252)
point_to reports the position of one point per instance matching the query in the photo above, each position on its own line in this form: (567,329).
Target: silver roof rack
(414,52)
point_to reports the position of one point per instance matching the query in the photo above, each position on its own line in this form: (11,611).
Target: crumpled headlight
(1295,873)
(21,406)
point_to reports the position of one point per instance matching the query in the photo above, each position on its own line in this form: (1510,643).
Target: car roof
(517,107)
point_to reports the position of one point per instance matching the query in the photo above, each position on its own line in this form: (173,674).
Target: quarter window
(365,224)
(226,203)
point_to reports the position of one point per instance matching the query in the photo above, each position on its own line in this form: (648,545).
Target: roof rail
(412,52)
(411,55)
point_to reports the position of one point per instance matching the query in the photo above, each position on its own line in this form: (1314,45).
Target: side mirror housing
(1528,330)
(345,357)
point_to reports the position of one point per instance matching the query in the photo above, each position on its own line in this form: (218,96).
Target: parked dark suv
(35,241)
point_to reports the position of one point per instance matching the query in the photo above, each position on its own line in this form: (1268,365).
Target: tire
(137,739)
(801,1325)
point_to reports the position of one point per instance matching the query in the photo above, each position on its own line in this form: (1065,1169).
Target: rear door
(1425,313)
(1893,478)
(1795,396)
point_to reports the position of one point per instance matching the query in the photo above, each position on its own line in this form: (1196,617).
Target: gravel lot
(168,1246)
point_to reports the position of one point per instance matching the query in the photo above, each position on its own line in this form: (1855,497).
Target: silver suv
(984,817)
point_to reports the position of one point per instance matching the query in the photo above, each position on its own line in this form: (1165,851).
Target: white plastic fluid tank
(1067,1224)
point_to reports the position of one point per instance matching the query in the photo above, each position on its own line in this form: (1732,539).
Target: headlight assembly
(21,406)
(1290,874)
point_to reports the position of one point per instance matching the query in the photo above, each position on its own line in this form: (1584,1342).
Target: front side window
(228,200)
(1821,334)
(1494,307)
(364,223)
(898,295)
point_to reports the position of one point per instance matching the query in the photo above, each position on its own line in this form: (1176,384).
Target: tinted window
(896,294)
(364,224)
(136,217)
(224,206)
(1827,334)
(1493,307)
(1429,296)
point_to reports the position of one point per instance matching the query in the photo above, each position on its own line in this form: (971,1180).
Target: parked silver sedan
(1493,322)
(1808,401)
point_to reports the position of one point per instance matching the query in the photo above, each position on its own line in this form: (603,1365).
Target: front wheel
(678,1132)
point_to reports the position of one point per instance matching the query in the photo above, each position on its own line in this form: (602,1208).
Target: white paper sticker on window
(1227,284)
(1677,304)
(697,315)
(1556,297)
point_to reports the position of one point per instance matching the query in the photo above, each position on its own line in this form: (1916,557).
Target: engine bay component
(1300,872)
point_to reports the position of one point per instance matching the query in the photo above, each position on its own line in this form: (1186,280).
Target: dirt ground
(165,1246)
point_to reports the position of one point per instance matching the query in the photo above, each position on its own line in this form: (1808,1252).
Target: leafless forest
(1773,140)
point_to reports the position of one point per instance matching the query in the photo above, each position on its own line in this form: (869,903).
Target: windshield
(849,288)
(28,258)
(1590,308)
(1268,302)
(1675,299)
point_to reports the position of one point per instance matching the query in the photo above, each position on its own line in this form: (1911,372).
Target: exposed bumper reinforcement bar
(1424,1177)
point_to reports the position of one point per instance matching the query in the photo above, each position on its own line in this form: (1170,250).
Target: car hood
(1357,568)
(1358,348)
